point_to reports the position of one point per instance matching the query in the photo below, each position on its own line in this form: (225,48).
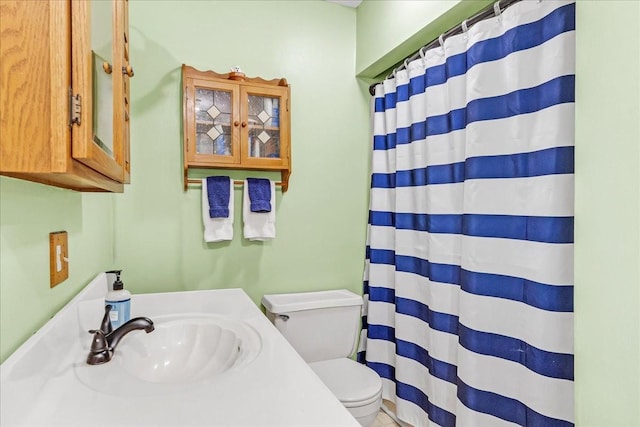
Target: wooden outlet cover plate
(58,257)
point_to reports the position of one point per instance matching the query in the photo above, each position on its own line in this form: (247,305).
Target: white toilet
(323,328)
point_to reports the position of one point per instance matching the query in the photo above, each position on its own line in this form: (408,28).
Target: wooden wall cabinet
(235,122)
(64,94)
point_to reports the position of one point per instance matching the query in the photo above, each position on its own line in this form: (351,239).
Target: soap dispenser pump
(111,278)
(120,301)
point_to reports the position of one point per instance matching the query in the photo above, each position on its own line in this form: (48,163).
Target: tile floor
(384,420)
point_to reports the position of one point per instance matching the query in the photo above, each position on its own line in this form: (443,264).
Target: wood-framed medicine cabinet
(232,121)
(64,98)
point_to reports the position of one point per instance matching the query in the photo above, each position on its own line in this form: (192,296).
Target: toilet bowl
(356,386)
(323,328)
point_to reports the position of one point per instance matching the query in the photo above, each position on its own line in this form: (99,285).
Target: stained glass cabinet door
(266,136)
(214,120)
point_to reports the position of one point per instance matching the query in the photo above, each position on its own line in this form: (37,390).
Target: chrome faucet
(105,340)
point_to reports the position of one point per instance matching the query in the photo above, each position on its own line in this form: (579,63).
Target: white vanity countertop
(40,385)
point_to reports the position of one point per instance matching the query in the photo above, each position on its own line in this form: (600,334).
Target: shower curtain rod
(488,12)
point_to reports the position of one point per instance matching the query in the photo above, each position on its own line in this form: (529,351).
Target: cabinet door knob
(244,124)
(236,123)
(128,70)
(106,67)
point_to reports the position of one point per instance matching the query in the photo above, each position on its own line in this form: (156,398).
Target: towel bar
(199,181)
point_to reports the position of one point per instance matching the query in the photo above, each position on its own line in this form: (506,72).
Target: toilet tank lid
(286,303)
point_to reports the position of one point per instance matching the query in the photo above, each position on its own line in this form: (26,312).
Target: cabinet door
(213,122)
(95,72)
(265,126)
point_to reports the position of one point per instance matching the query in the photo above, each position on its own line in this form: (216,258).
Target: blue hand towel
(218,188)
(259,194)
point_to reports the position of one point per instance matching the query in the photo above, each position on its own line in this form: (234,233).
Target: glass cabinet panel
(213,112)
(102,55)
(264,126)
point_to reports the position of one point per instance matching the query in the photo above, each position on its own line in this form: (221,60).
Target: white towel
(259,225)
(216,229)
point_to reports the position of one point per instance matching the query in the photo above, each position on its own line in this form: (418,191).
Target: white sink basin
(184,349)
(181,351)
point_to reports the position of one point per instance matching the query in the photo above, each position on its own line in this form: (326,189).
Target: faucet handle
(100,350)
(99,342)
(106,326)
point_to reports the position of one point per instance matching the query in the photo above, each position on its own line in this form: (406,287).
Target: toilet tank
(320,325)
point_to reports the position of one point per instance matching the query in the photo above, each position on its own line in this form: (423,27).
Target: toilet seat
(353,383)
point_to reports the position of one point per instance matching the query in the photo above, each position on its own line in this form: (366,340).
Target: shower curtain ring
(441,40)
(496,10)
(406,64)
(421,52)
(464,26)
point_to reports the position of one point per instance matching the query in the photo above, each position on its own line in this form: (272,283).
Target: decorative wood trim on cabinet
(121,87)
(242,153)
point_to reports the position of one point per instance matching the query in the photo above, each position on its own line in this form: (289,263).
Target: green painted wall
(388,31)
(28,213)
(607,234)
(607,251)
(321,219)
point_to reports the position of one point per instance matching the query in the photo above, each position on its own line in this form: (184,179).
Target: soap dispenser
(120,301)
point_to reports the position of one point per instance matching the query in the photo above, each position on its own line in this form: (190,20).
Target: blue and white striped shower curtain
(469,272)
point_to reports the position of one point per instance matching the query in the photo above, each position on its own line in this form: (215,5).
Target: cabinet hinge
(75,108)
